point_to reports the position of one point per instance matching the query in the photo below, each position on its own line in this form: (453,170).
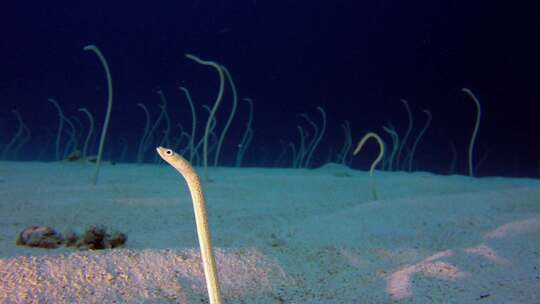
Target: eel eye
(169,152)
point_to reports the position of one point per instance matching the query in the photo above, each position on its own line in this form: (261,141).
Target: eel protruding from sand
(201,219)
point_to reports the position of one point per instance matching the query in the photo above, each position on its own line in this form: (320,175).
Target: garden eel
(376,161)
(201,219)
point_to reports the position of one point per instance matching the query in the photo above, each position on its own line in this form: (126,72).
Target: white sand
(281,236)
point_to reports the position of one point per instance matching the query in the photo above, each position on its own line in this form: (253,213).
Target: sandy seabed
(280,236)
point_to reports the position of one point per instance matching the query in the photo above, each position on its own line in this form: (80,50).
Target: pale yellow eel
(201,219)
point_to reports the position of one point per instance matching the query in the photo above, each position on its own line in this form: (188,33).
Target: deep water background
(356,59)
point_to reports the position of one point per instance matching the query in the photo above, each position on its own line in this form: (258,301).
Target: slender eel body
(201,219)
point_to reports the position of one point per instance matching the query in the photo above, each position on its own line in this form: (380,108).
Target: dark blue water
(356,59)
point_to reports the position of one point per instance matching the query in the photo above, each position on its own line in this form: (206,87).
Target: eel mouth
(161,151)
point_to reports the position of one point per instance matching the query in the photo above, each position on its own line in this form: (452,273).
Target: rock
(74,156)
(96,237)
(39,236)
(93,238)
(70,238)
(116,240)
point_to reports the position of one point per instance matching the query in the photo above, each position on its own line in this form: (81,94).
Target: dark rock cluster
(94,238)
